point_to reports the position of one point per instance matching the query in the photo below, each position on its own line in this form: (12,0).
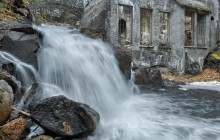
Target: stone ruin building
(174,34)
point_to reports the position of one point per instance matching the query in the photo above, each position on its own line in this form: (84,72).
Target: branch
(22,112)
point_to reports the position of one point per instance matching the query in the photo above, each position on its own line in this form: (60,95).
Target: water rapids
(86,70)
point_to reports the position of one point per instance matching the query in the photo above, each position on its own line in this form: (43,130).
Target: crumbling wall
(164,44)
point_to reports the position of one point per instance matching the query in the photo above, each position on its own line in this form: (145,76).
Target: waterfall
(87,71)
(27,74)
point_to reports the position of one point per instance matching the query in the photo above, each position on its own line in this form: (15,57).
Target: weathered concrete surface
(172,54)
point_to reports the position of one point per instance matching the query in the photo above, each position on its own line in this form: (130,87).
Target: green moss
(204,9)
(197,7)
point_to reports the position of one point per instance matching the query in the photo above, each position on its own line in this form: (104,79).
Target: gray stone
(148,76)
(22,11)
(14,130)
(64,117)
(15,85)
(6,101)
(14,115)
(28,37)
(43,137)
(106,15)
(23,50)
(21,26)
(15,35)
(33,95)
(124,60)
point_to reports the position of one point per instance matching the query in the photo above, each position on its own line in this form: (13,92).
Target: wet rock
(192,66)
(124,60)
(93,33)
(148,76)
(14,130)
(23,50)
(156,78)
(16,85)
(64,117)
(6,101)
(22,26)
(9,67)
(31,98)
(43,137)
(14,115)
(142,76)
(97,20)
(38,92)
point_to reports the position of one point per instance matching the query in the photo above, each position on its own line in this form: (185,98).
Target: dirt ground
(206,75)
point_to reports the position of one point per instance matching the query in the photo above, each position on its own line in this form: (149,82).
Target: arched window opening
(122,28)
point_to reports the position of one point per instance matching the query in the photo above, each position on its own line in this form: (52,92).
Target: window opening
(201,30)
(189,29)
(145,24)
(125,24)
(164,27)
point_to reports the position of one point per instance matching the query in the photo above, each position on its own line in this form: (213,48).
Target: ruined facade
(176,34)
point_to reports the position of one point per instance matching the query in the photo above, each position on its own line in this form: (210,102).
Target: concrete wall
(173,54)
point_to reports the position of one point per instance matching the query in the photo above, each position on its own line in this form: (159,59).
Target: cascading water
(86,70)
(27,73)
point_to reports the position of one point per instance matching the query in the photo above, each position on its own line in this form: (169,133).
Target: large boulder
(24,50)
(95,15)
(148,76)
(38,92)
(64,117)
(6,101)
(124,60)
(22,26)
(14,130)
(142,76)
(18,38)
(15,85)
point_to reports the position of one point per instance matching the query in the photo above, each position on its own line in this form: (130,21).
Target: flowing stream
(86,70)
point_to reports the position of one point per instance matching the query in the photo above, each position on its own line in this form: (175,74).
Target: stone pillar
(113,22)
(136,25)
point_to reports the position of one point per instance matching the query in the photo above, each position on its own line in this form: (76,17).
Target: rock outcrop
(6,101)
(14,130)
(124,60)
(15,85)
(18,38)
(64,117)
(148,76)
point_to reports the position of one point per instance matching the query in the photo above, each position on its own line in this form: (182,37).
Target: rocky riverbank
(58,116)
(206,75)
(24,110)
